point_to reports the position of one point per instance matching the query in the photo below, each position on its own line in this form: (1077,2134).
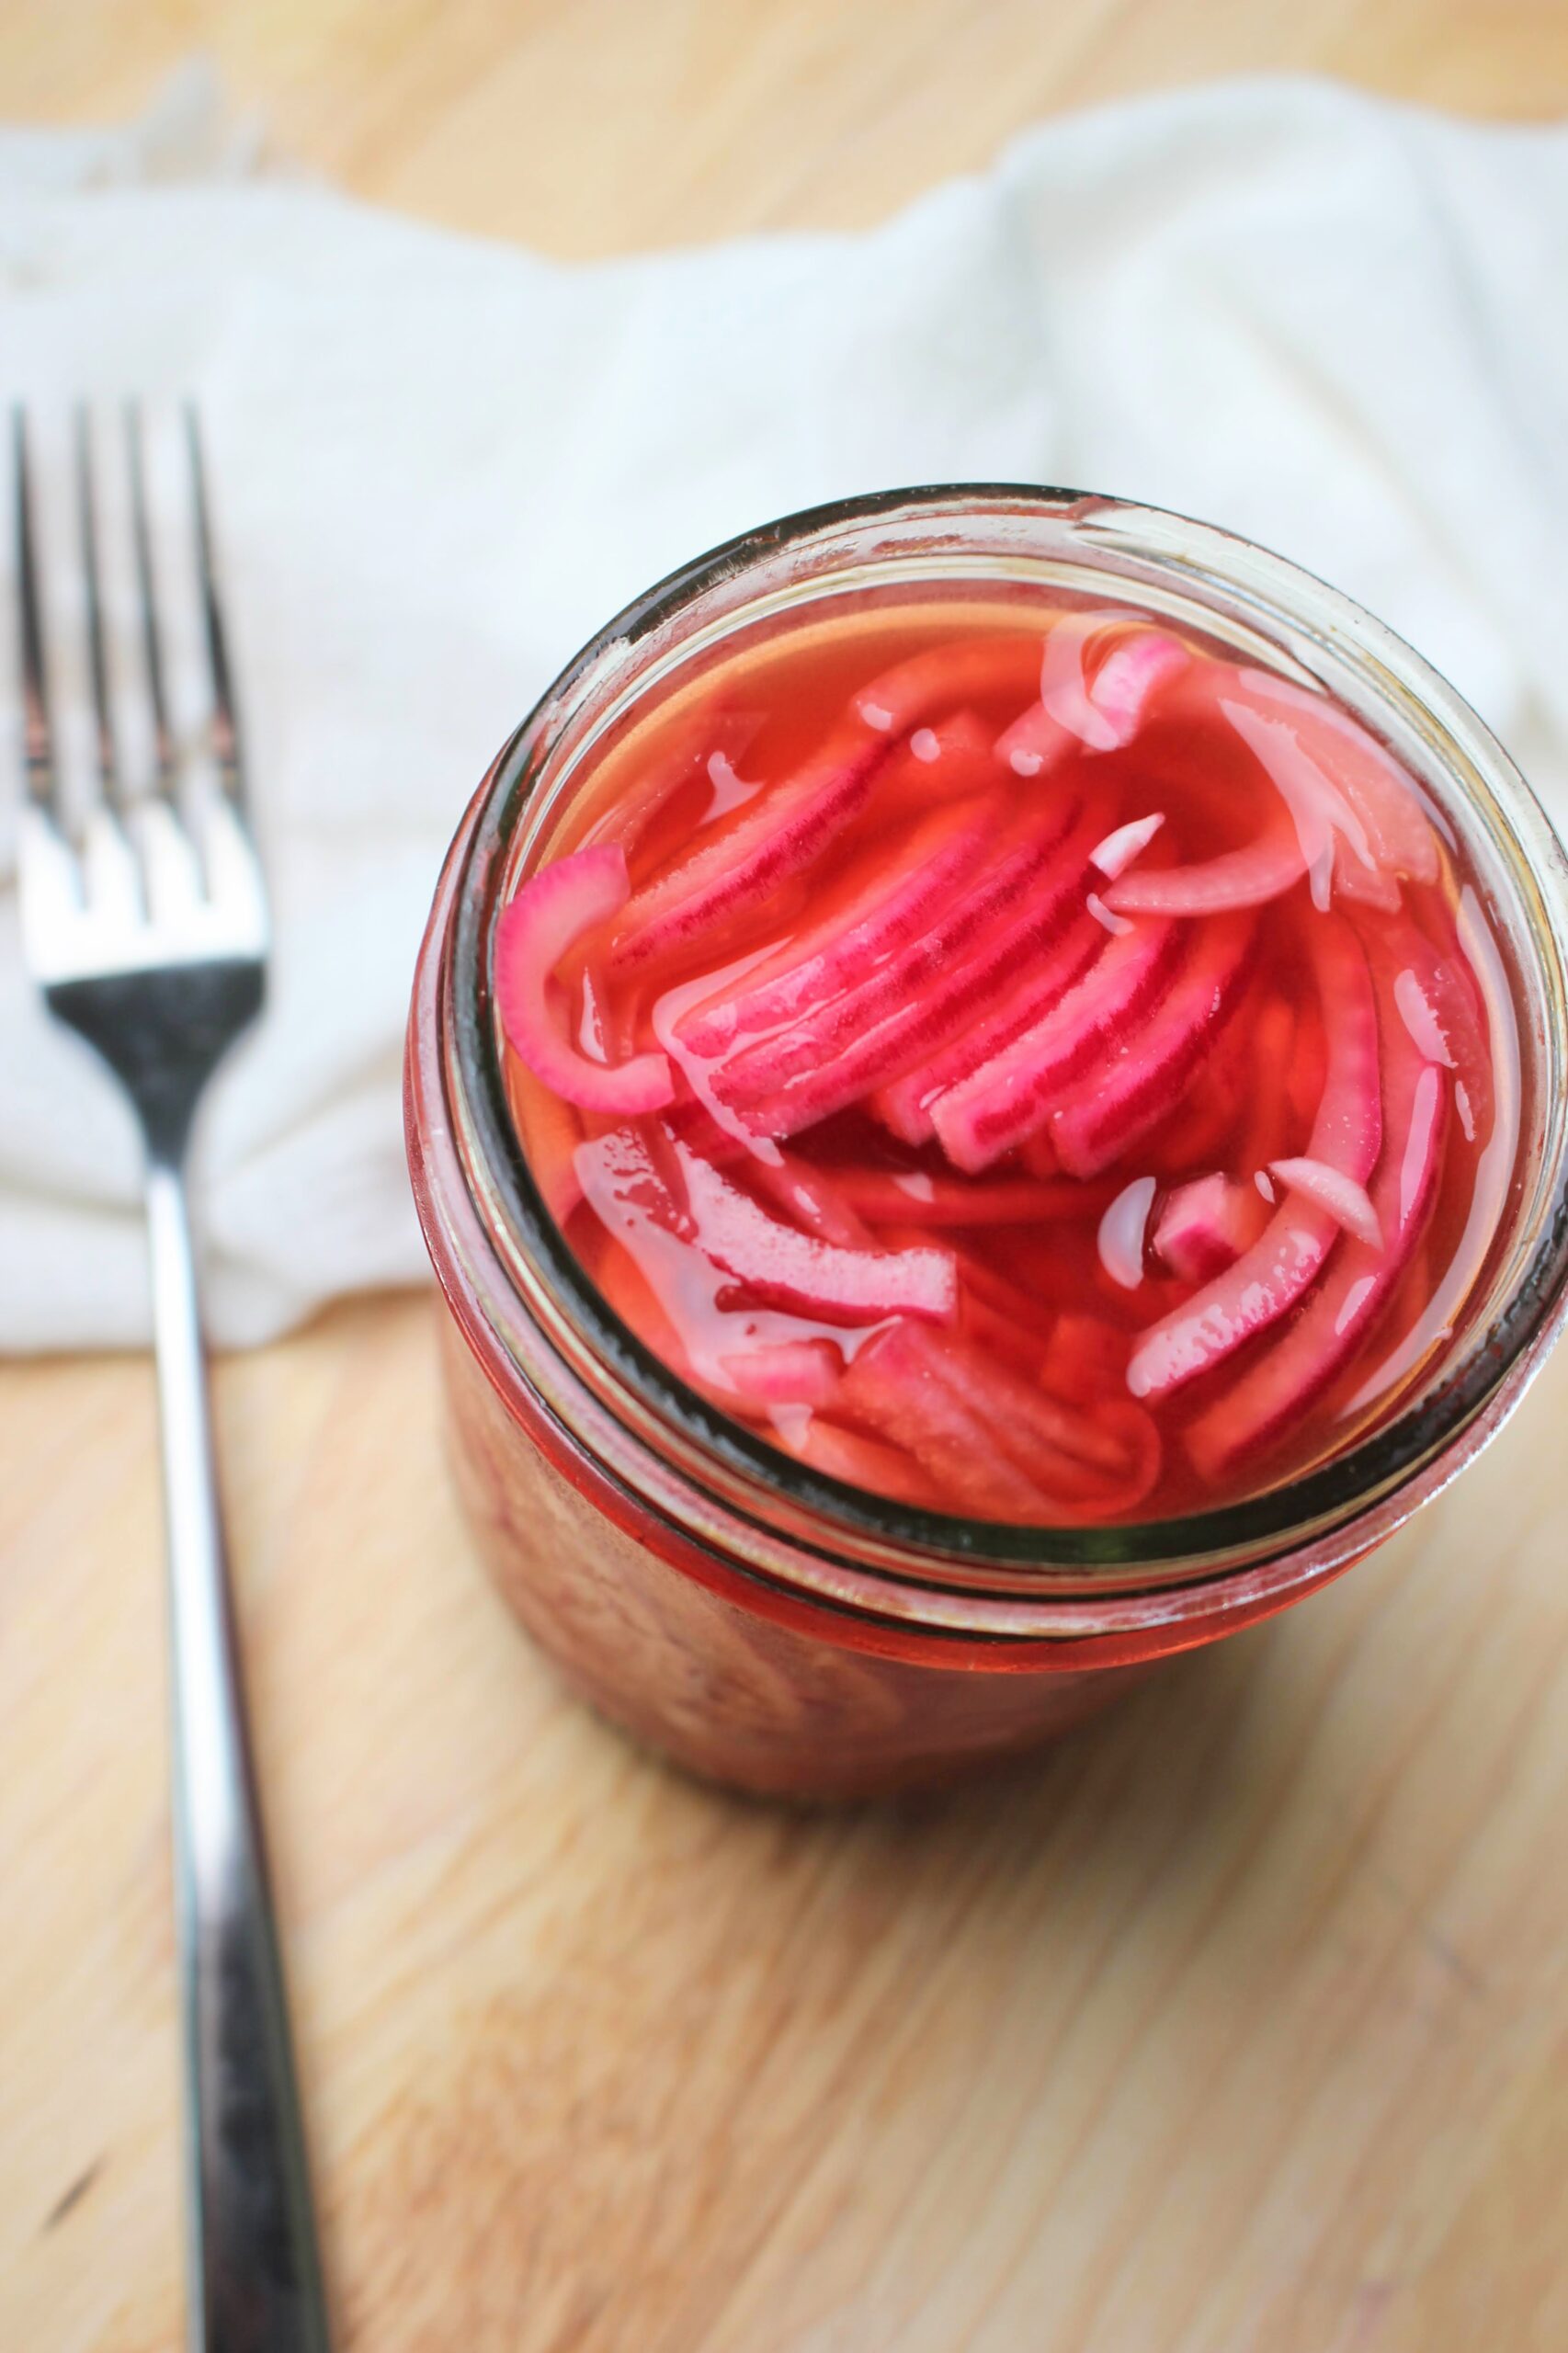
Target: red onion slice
(555,910)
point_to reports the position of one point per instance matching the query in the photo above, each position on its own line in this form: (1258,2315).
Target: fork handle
(255,2272)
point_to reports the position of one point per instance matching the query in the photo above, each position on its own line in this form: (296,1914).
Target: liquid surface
(1026,1066)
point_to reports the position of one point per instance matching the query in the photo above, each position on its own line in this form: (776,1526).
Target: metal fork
(148,935)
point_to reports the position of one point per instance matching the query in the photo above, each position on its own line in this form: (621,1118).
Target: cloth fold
(1330,324)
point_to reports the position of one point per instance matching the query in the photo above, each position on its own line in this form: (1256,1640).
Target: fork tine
(225,727)
(92,582)
(43,782)
(146,584)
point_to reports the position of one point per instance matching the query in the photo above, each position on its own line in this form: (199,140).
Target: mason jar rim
(950,1551)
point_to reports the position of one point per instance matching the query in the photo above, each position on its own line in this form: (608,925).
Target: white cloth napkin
(1335,325)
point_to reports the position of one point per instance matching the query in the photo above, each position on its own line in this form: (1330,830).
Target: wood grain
(1239,2023)
(592,126)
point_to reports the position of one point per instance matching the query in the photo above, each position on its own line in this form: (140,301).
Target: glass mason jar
(764,1624)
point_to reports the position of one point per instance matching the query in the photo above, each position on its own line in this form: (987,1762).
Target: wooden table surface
(1240,2023)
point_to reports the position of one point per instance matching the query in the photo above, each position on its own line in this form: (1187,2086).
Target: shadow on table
(1165,1795)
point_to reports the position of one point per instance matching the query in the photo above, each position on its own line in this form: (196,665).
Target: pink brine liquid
(1046,1073)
